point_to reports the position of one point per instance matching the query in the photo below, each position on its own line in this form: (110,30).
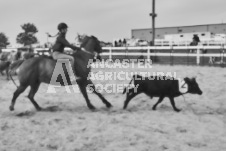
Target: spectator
(120,42)
(124,42)
(116,44)
(195,40)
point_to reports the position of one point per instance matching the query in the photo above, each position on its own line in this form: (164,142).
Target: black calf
(161,86)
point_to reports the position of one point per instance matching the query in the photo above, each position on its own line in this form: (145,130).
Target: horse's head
(91,44)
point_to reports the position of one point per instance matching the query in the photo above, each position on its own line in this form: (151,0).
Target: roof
(181,26)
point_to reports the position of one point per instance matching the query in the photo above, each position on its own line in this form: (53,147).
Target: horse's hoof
(91,107)
(11,108)
(39,109)
(109,105)
(177,110)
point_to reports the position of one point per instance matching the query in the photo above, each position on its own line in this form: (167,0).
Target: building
(183,32)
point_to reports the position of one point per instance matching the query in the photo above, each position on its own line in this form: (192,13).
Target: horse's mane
(85,39)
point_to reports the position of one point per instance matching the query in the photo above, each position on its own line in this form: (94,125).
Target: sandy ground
(68,125)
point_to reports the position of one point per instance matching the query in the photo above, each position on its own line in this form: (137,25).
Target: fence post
(148,55)
(188,51)
(110,54)
(222,56)
(198,56)
(171,56)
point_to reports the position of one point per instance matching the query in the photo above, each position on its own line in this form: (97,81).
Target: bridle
(84,50)
(94,54)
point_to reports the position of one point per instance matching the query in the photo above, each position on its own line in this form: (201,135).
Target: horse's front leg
(82,85)
(92,87)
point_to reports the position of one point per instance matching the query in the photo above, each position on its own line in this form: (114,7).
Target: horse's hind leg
(19,90)
(108,104)
(34,89)
(82,87)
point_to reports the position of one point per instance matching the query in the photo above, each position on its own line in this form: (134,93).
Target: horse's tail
(12,69)
(124,91)
(15,65)
(10,75)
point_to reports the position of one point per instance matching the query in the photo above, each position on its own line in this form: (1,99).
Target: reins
(84,50)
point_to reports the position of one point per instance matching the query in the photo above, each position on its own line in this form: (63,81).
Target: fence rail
(168,51)
(206,42)
(172,52)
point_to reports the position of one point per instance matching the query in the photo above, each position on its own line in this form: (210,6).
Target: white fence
(128,51)
(205,42)
(177,42)
(147,51)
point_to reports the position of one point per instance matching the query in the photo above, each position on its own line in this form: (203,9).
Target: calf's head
(193,86)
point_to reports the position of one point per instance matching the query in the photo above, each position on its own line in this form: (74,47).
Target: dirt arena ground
(67,124)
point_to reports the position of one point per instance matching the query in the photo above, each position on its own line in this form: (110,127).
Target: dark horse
(34,71)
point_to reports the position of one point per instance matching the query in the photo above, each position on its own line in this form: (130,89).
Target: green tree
(28,36)
(3,40)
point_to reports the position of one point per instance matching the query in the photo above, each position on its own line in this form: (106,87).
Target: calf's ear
(194,78)
(186,79)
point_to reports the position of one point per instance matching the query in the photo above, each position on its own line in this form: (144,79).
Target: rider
(60,44)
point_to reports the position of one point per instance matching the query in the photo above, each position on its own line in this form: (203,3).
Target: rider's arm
(67,44)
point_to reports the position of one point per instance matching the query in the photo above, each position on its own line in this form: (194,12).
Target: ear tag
(183,86)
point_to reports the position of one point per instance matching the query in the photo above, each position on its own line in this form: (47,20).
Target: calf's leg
(173,104)
(159,101)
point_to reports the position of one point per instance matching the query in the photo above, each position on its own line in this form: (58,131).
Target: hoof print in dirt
(51,109)
(26,113)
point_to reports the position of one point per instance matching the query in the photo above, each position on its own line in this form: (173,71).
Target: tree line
(26,38)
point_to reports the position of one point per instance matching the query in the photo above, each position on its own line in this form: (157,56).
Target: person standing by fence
(195,40)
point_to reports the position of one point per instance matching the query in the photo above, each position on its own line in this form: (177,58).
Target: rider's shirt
(61,43)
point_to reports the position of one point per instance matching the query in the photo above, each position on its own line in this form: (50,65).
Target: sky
(105,19)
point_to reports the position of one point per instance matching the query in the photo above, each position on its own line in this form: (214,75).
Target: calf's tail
(124,91)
